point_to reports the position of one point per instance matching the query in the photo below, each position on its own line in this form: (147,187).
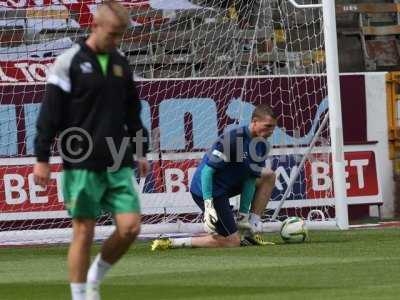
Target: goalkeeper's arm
(247,195)
(207,181)
(210,215)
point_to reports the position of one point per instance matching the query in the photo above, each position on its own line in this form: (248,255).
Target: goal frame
(335,114)
(341,220)
(335,120)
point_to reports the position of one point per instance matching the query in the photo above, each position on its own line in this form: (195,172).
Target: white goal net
(200,68)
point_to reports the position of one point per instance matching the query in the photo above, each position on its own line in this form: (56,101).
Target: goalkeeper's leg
(206,241)
(225,233)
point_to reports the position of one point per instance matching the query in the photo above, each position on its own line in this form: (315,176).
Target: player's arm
(255,165)
(217,159)
(50,118)
(207,182)
(136,129)
(246,198)
(247,194)
(210,215)
(49,121)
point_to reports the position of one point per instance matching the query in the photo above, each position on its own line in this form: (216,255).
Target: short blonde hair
(117,9)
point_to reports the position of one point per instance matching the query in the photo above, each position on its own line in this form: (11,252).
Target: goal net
(200,68)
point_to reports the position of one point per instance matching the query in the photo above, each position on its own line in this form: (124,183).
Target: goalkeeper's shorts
(226,224)
(89,193)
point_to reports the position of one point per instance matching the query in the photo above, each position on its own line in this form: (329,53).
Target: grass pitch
(356,264)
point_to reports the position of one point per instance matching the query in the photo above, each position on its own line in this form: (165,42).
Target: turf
(356,264)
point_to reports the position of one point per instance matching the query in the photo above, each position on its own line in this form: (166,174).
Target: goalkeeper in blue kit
(235,164)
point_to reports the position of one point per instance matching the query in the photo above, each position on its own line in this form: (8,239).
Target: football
(293,230)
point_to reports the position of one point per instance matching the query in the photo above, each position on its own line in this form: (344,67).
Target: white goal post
(335,112)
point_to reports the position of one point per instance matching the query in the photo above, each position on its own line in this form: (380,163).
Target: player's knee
(82,239)
(83,233)
(129,231)
(128,226)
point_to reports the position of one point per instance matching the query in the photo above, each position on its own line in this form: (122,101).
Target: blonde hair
(116,8)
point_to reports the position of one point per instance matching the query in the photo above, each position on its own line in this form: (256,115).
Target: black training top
(95,115)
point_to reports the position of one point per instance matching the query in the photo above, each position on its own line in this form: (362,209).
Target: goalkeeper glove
(210,215)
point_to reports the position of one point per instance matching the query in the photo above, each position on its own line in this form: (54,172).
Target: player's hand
(210,215)
(143,167)
(41,173)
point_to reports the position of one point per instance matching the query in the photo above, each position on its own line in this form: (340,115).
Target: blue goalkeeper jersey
(235,156)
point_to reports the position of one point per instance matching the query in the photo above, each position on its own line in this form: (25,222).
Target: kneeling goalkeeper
(234,165)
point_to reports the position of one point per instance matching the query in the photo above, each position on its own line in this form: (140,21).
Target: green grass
(357,264)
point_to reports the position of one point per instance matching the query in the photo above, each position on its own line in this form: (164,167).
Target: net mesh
(200,67)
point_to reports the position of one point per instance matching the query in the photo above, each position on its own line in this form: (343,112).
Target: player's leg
(122,200)
(225,235)
(216,241)
(127,229)
(118,243)
(79,256)
(82,191)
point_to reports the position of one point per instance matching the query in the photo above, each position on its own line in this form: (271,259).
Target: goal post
(200,70)
(335,114)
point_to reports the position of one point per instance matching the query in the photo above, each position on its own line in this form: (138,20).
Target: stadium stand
(371,29)
(185,43)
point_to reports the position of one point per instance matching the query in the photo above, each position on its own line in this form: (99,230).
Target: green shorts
(86,193)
